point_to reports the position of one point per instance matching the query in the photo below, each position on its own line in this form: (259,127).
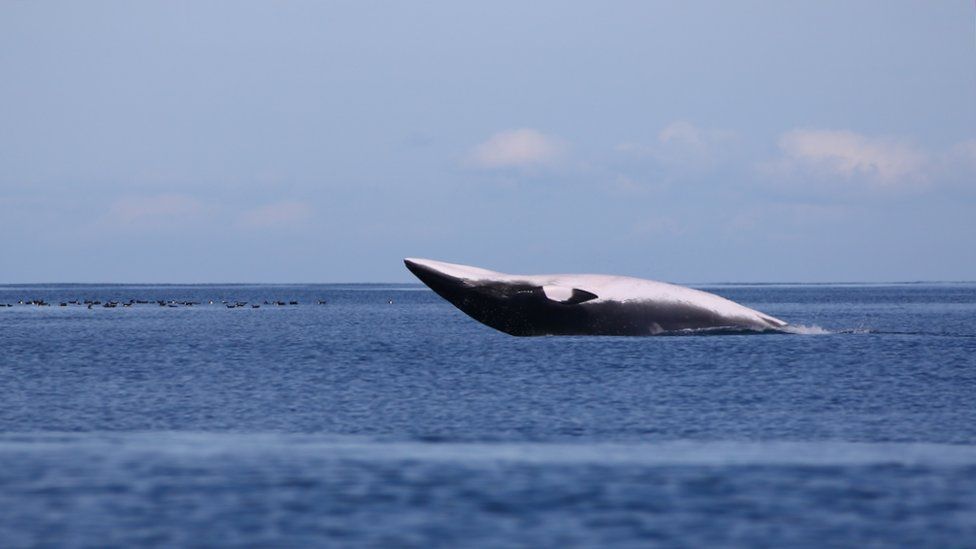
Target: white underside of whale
(609,288)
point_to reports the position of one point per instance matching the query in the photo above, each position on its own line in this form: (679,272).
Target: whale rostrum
(582,304)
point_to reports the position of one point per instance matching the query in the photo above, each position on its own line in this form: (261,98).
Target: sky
(712,141)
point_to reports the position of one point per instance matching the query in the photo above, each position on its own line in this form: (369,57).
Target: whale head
(509,303)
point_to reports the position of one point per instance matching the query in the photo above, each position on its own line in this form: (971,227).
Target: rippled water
(365,422)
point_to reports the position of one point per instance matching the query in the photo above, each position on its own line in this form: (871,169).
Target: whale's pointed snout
(412,265)
(450,270)
(432,274)
(421,269)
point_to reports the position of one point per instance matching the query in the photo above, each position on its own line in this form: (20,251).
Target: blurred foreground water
(365,422)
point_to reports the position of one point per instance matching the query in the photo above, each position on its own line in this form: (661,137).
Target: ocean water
(386,417)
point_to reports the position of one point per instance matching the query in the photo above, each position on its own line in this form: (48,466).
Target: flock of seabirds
(111,304)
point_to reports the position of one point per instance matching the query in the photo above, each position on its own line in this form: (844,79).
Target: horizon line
(710,283)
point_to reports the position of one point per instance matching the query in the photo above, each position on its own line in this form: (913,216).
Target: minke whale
(583,304)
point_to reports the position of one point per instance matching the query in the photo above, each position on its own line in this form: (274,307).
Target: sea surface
(385,417)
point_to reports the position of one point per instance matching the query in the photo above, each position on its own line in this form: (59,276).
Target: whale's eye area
(569,296)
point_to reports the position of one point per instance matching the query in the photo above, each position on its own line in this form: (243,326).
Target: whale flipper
(564,294)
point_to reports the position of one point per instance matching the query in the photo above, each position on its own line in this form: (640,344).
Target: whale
(585,304)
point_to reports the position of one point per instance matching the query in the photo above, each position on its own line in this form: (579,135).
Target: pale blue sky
(324,141)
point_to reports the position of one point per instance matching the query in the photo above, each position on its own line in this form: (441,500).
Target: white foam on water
(802,329)
(195,445)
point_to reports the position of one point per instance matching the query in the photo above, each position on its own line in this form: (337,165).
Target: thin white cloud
(288,213)
(956,167)
(778,217)
(520,148)
(625,184)
(658,226)
(157,211)
(685,148)
(687,134)
(850,156)
(962,157)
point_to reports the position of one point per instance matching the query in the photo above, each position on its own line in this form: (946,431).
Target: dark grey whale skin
(522,309)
